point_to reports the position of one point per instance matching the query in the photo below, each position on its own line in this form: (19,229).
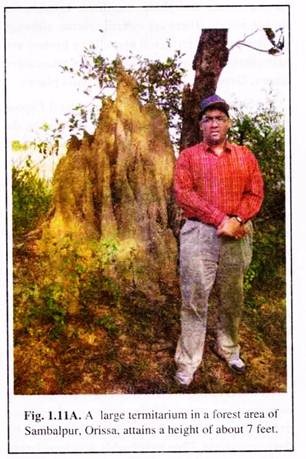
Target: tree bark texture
(210,58)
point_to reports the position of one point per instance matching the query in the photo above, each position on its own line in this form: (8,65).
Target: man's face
(214,126)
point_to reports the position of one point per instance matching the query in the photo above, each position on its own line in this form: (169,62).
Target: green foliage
(159,82)
(107,322)
(18,146)
(264,134)
(268,263)
(47,305)
(31,198)
(71,279)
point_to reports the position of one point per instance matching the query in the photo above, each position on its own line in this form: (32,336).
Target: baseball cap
(214,101)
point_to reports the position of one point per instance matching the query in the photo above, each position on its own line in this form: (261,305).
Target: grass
(128,347)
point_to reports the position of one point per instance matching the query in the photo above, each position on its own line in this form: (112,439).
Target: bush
(263,132)
(69,279)
(31,198)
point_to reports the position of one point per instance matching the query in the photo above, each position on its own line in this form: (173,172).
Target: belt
(194,219)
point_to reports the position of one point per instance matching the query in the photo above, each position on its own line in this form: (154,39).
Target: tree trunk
(210,58)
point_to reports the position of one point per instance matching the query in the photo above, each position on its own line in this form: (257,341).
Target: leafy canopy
(158,81)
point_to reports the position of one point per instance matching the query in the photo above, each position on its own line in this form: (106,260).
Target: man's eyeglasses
(211,119)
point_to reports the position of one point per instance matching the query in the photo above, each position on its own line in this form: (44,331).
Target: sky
(39,40)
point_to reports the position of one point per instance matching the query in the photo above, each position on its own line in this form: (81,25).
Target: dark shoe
(237,365)
(183,378)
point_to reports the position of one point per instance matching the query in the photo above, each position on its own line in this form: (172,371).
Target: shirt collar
(227,147)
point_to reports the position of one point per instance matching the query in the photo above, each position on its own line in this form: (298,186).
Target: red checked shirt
(209,187)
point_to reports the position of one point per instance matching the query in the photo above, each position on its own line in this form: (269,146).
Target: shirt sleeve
(253,193)
(188,199)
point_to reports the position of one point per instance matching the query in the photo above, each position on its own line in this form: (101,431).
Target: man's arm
(252,197)
(250,203)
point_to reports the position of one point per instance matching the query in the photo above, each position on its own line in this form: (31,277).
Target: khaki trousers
(207,259)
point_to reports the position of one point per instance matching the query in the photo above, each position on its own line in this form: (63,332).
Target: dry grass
(129,347)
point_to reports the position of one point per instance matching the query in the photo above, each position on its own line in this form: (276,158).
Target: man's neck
(218,149)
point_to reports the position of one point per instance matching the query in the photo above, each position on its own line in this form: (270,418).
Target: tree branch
(275,50)
(240,42)
(254,47)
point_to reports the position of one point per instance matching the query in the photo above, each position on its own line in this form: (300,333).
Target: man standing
(219,186)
